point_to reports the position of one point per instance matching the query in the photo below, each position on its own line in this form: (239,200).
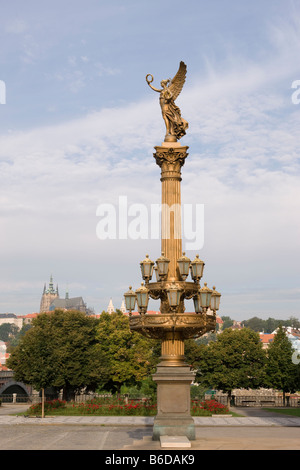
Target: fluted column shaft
(170,161)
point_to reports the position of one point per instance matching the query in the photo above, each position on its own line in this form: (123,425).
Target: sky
(78,127)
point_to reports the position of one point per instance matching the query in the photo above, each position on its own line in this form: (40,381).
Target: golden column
(170,157)
(172,325)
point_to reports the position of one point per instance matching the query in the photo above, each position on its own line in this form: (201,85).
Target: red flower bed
(210,406)
(48,406)
(119,407)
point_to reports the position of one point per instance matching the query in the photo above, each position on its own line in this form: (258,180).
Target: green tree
(14,340)
(282,373)
(270,325)
(255,324)
(293,322)
(59,351)
(130,357)
(207,338)
(227,322)
(235,360)
(194,352)
(8,330)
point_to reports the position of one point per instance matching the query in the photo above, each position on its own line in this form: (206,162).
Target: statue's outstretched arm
(150,81)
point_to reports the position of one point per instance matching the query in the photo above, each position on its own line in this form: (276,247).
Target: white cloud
(16,26)
(102,69)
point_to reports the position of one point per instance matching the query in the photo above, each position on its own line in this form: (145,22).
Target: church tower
(123,308)
(48,296)
(110,308)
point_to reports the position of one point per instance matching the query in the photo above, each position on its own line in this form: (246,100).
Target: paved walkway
(148,421)
(251,417)
(257,429)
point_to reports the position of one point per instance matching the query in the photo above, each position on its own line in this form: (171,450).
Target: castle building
(51,300)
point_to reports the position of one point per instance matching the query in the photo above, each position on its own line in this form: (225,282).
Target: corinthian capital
(170,156)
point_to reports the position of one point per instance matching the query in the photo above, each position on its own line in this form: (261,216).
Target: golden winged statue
(175,124)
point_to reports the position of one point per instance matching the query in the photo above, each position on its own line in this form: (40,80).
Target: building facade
(51,300)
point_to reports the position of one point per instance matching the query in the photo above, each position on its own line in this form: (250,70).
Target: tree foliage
(227,322)
(8,330)
(269,325)
(130,356)
(59,351)
(72,351)
(281,372)
(235,360)
(69,350)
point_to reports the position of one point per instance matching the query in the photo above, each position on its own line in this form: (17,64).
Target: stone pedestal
(173,402)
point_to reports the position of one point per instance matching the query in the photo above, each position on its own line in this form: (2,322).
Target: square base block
(173,427)
(173,402)
(174,441)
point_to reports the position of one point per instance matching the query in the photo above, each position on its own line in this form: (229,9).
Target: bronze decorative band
(185,325)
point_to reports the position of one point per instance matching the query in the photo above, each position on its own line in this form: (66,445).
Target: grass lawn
(285,411)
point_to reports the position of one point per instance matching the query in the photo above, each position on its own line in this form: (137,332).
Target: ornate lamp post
(197,267)
(142,298)
(172,326)
(147,269)
(130,300)
(205,296)
(215,300)
(184,266)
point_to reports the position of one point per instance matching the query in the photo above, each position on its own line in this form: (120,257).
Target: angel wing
(177,82)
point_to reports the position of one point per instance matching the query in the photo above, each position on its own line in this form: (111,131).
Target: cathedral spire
(51,289)
(67,294)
